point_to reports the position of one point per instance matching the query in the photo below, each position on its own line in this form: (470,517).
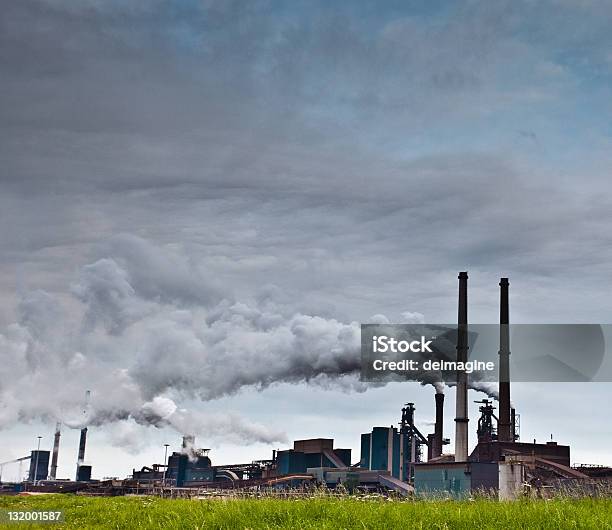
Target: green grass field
(140,512)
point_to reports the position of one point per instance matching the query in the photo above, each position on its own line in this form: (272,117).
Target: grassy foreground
(139,512)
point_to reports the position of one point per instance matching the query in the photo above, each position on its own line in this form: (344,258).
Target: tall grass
(316,512)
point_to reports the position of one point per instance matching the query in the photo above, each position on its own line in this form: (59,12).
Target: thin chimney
(82,443)
(437,437)
(56,441)
(504,426)
(461,417)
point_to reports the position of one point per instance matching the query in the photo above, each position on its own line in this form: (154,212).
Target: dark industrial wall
(382,444)
(485,476)
(344,455)
(365,450)
(496,451)
(291,461)
(84,474)
(43,465)
(314,445)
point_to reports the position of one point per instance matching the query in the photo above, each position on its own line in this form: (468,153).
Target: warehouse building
(316,452)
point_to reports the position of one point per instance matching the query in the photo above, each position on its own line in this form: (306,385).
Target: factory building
(462,479)
(183,468)
(83,473)
(397,451)
(191,467)
(499,462)
(313,453)
(496,451)
(39,465)
(391,458)
(381,449)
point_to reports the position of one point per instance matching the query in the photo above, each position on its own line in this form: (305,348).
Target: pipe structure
(437,436)
(504,425)
(56,441)
(461,416)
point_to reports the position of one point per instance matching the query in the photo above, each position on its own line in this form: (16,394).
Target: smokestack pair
(505,429)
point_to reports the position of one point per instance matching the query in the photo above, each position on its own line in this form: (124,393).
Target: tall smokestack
(82,443)
(437,437)
(56,441)
(461,417)
(504,425)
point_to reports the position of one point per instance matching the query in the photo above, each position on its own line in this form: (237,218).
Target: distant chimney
(56,441)
(461,417)
(504,425)
(437,437)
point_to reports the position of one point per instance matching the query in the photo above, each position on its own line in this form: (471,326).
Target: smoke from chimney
(130,313)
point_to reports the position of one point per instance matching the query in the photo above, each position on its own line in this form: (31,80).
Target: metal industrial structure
(401,459)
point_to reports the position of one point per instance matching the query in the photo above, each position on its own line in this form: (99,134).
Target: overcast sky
(200,201)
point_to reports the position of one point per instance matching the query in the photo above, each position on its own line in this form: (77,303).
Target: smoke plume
(144,330)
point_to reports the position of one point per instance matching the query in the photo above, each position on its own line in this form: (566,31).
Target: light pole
(165,463)
(36,466)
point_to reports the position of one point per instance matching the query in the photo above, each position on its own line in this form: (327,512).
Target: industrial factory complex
(399,459)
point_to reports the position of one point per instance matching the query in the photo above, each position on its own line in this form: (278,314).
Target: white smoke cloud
(128,435)
(144,340)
